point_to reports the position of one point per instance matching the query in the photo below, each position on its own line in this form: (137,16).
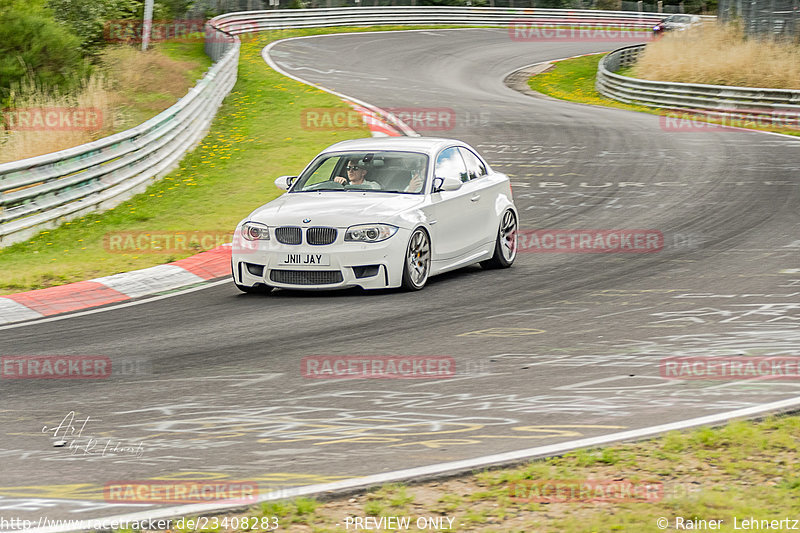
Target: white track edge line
(405,128)
(440,468)
(143,300)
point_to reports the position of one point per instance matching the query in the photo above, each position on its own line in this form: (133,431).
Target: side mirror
(284,182)
(449,183)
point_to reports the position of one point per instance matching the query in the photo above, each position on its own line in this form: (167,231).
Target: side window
(323,172)
(450,164)
(475,167)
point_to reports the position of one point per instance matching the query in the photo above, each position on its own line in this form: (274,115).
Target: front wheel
(417,264)
(505,247)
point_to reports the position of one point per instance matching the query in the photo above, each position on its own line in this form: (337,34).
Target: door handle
(475,198)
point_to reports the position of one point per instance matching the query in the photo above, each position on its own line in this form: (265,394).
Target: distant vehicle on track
(676,22)
(378,213)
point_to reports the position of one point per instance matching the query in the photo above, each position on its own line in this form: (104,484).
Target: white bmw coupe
(378,213)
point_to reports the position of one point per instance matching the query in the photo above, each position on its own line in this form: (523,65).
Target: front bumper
(352,264)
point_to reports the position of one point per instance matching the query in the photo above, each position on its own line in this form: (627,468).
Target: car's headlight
(369,232)
(253,231)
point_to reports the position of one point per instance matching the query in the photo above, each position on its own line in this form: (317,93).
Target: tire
(505,247)
(417,261)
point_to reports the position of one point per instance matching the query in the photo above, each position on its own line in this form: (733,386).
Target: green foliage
(279,509)
(552,4)
(27,6)
(373,508)
(477,3)
(88,18)
(304,506)
(695,6)
(173,8)
(33,45)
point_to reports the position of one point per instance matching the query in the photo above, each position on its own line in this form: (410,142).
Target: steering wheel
(324,185)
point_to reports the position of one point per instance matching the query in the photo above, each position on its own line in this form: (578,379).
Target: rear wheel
(417,264)
(505,247)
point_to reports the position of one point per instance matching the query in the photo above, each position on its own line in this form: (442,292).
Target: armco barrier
(248,21)
(779,106)
(44,191)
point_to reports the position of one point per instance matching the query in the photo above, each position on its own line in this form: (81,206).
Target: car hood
(339,209)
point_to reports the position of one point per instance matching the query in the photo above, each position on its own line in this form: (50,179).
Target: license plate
(306,259)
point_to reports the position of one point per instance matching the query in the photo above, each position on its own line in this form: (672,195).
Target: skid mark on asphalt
(502,332)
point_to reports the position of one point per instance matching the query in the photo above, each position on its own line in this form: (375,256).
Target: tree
(33,45)
(88,19)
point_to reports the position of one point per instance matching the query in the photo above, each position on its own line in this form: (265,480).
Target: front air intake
(306,277)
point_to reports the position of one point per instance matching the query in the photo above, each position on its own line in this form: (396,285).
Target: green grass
(160,85)
(743,470)
(574,79)
(189,50)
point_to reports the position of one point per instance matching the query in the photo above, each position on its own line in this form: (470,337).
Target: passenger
(417,179)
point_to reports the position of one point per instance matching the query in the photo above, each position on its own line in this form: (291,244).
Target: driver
(356,174)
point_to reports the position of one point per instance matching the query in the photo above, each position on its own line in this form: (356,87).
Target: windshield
(395,172)
(682,19)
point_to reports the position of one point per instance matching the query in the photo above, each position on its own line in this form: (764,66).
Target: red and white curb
(375,121)
(117,288)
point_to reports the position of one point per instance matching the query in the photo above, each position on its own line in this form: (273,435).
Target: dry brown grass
(134,72)
(720,55)
(130,87)
(93,96)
